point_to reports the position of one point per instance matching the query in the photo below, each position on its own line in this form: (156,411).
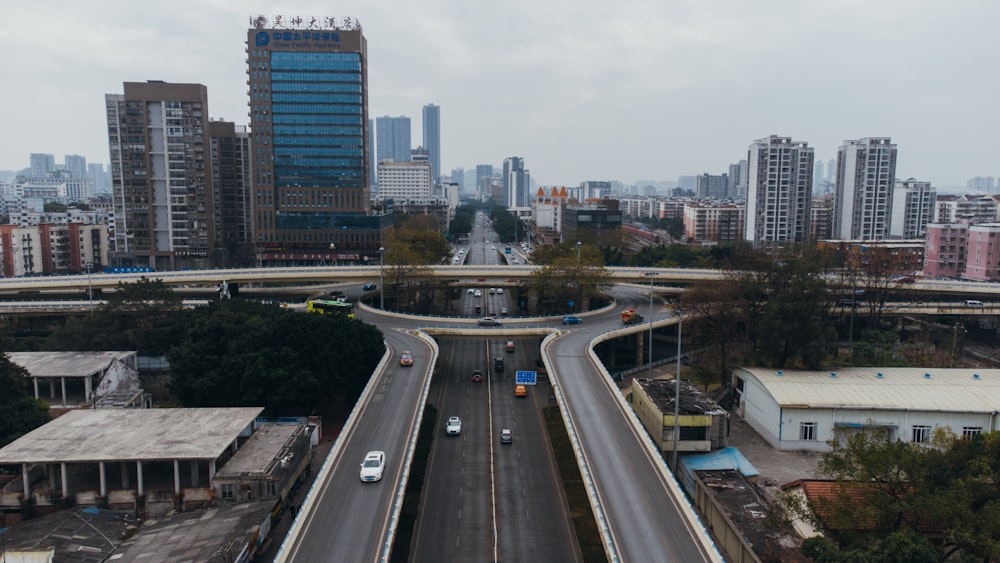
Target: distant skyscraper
(42,165)
(515,182)
(592,189)
(737,181)
(866,175)
(164,215)
(484,174)
(779,190)
(393,138)
(309,115)
(981,183)
(76,165)
(458,177)
(373,161)
(432,137)
(100,177)
(711,186)
(831,170)
(819,177)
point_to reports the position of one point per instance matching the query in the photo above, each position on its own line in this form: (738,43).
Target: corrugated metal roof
(933,389)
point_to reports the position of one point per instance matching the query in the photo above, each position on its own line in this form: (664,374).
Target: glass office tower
(309,122)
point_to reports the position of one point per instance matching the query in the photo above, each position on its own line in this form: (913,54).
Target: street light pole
(90,288)
(677,387)
(381,277)
(650,275)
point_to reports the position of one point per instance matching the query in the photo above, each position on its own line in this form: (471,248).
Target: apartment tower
(866,176)
(309,127)
(160,176)
(779,191)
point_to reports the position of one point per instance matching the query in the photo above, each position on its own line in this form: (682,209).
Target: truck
(630,317)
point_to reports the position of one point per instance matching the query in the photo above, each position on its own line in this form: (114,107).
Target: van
(510,347)
(973,303)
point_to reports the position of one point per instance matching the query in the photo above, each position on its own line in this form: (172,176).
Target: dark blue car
(571,320)
(369,287)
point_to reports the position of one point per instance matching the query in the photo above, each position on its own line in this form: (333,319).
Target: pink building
(945,250)
(982,260)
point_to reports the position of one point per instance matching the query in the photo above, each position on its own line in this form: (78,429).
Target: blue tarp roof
(726,458)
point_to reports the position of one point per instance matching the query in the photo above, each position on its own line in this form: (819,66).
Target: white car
(471,291)
(477,293)
(454,426)
(372,466)
(499,291)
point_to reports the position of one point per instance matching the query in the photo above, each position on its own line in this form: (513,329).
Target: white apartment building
(866,173)
(912,209)
(719,223)
(403,182)
(779,190)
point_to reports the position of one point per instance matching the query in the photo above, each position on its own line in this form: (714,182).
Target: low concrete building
(78,379)
(125,459)
(267,464)
(704,425)
(804,410)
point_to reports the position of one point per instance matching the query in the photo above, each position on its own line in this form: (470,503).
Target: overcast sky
(627,90)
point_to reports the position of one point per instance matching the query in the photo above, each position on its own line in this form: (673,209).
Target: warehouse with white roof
(804,410)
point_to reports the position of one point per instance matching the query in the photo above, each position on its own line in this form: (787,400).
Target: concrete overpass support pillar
(104,479)
(140,485)
(640,348)
(177,477)
(194,473)
(26,481)
(124,474)
(64,473)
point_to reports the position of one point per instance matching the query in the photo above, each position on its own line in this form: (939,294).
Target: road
(482,500)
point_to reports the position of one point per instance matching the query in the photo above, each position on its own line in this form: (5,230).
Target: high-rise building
(231,176)
(458,177)
(737,180)
(157,133)
(912,209)
(710,186)
(819,177)
(432,137)
(404,182)
(594,189)
(516,181)
(76,165)
(311,154)
(982,183)
(373,161)
(42,164)
(484,175)
(831,170)
(866,175)
(392,135)
(779,190)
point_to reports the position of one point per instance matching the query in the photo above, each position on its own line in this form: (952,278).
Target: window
(227,492)
(970,431)
(807,431)
(921,434)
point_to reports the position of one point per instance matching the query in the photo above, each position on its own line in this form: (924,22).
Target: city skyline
(581,92)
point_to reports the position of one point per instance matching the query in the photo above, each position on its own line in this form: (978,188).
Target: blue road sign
(526,378)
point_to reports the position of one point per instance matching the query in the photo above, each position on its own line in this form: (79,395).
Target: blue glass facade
(311,153)
(309,123)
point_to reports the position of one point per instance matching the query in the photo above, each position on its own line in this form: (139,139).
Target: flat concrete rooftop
(87,436)
(65,364)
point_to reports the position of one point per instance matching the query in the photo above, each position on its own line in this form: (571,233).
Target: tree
(20,412)
(786,304)
(948,488)
(719,310)
(239,353)
(567,277)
